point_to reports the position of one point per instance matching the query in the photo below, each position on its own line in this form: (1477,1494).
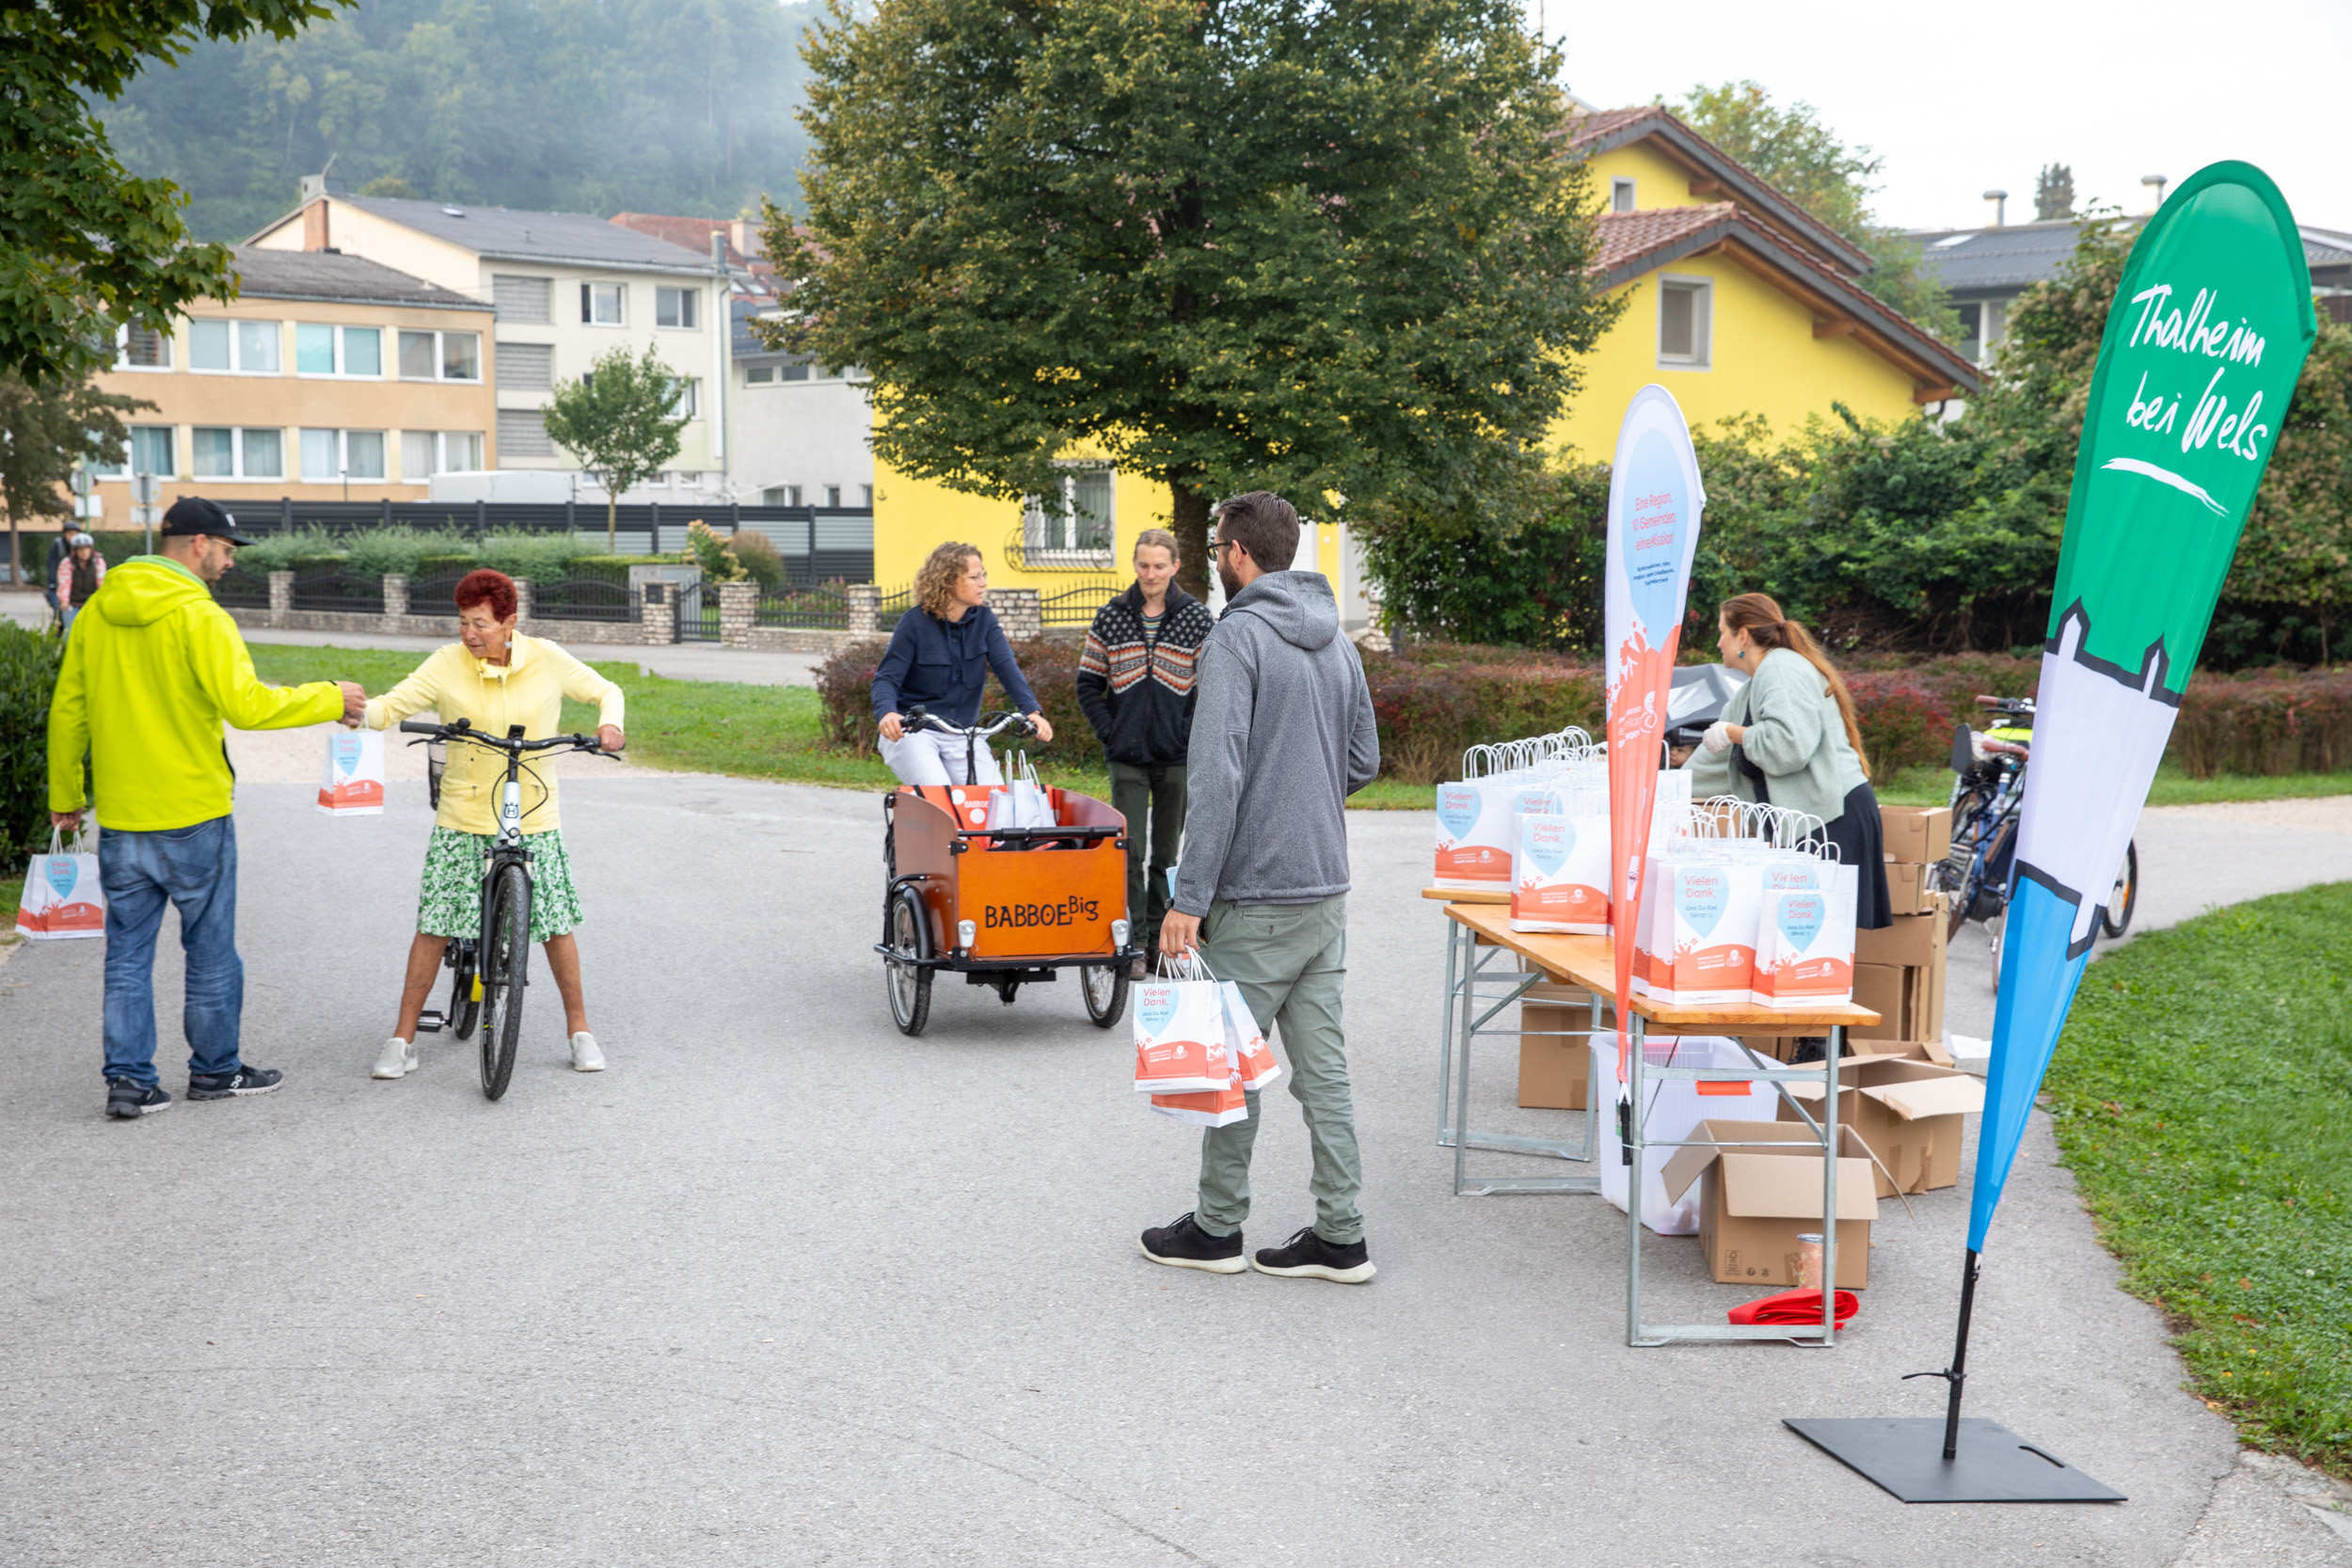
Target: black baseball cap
(192,515)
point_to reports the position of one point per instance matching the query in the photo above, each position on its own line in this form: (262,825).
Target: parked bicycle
(490,973)
(1987,796)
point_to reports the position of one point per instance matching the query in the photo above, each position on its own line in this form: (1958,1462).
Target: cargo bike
(1003,905)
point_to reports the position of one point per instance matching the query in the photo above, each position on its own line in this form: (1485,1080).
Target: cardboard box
(1907,1111)
(1918,1051)
(1670,1108)
(1552,1064)
(1918,835)
(1883,990)
(1755,1202)
(1908,939)
(1907,890)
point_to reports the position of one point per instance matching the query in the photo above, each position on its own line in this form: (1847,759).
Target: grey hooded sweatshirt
(1281,735)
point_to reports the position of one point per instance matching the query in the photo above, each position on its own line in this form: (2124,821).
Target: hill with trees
(574,105)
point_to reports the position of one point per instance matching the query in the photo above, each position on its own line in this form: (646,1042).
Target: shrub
(540,557)
(28,675)
(758,555)
(716,555)
(2264,722)
(845,686)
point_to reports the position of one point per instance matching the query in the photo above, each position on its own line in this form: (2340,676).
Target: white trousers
(928,757)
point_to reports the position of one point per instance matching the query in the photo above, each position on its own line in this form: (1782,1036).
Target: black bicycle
(493,970)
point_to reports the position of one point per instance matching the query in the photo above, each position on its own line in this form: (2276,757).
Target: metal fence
(804,609)
(1075,607)
(332,588)
(436,595)
(584,599)
(242,590)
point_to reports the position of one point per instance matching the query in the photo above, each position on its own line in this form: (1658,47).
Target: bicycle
(492,971)
(1987,796)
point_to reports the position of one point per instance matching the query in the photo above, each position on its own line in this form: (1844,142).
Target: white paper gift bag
(1180,1037)
(62,898)
(1253,1059)
(351,784)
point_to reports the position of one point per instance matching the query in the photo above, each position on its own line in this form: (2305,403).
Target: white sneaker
(585,1056)
(398,1058)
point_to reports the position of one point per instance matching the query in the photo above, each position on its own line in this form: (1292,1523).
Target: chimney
(314,236)
(1998,202)
(2155,184)
(718,248)
(746,237)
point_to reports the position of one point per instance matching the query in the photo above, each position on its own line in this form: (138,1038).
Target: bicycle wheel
(910,983)
(465,995)
(505,975)
(2116,918)
(1105,988)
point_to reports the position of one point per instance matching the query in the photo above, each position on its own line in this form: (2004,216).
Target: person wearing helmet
(78,575)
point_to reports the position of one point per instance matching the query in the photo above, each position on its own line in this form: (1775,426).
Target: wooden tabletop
(1591,962)
(1467,896)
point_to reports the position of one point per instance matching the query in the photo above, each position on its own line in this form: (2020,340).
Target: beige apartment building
(327,377)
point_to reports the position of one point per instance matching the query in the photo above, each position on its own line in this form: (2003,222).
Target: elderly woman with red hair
(496,678)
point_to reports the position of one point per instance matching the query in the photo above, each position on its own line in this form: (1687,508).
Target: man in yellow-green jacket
(151,669)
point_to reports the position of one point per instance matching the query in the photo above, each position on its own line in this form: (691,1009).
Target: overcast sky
(1960,99)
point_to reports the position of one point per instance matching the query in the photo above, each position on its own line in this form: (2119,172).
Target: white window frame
(122,349)
(684,302)
(342,456)
(437,445)
(588,300)
(237,435)
(440,356)
(236,346)
(1703,328)
(1052,539)
(759,375)
(342,371)
(690,398)
(1621,198)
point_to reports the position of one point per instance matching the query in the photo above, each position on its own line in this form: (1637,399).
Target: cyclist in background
(495,678)
(939,659)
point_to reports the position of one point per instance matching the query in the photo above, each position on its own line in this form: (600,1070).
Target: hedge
(29,676)
(1434,701)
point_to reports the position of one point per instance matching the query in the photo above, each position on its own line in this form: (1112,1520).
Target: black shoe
(1183,1245)
(229,1085)
(1308,1256)
(131,1100)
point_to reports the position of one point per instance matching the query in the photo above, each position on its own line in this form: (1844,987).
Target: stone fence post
(738,611)
(396,600)
(524,610)
(280,597)
(1019,611)
(656,621)
(864,608)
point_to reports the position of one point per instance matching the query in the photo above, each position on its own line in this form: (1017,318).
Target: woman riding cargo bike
(505,688)
(939,658)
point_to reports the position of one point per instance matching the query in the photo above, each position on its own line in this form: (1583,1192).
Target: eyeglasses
(1226,545)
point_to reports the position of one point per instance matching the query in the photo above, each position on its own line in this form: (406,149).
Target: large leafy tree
(46,429)
(82,241)
(1330,250)
(1791,147)
(622,423)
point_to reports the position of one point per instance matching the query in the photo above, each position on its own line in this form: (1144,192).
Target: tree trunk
(1188,509)
(611,521)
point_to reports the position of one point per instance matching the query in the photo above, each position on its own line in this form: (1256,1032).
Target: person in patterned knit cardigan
(1134,683)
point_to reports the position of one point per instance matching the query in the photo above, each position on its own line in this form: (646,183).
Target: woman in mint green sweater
(1790,738)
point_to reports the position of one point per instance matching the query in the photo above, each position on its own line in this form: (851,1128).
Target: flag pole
(1956,1375)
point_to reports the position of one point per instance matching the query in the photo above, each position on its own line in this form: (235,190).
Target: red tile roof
(1628,238)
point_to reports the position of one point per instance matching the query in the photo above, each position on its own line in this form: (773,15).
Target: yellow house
(1737,300)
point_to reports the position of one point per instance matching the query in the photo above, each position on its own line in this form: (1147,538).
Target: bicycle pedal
(430,1023)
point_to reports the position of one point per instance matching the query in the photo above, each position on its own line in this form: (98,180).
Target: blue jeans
(195,868)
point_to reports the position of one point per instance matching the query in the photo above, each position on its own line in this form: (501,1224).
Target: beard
(1225,575)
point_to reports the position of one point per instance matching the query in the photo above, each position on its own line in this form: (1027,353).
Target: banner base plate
(1905,1455)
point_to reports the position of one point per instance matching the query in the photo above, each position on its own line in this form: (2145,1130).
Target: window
(676,307)
(832,495)
(234,453)
(426,452)
(688,398)
(794,373)
(328,455)
(322,349)
(1971,331)
(1683,324)
(1621,196)
(522,299)
(600,303)
(151,450)
(759,375)
(141,348)
(1080,533)
(241,347)
(869,501)
(781,495)
(440,356)
(523,433)
(528,366)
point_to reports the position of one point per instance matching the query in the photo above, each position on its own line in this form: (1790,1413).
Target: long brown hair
(935,580)
(1758,616)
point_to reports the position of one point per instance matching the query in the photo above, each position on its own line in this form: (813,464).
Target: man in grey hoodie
(1281,735)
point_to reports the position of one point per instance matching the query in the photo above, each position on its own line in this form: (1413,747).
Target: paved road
(785,1287)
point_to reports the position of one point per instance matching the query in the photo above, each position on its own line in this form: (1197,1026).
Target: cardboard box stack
(1898,970)
(1908,1109)
(1755,1202)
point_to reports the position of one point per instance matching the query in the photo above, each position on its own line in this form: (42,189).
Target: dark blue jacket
(942,665)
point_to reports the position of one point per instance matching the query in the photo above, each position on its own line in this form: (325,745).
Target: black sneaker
(1183,1245)
(1308,1256)
(229,1085)
(131,1100)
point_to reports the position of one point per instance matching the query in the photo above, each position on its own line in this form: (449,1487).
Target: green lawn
(2201,1094)
(1933,786)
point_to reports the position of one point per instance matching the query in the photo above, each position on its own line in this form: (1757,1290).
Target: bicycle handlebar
(919,719)
(516,745)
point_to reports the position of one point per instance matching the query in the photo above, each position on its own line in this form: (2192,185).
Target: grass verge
(2200,1094)
(1933,786)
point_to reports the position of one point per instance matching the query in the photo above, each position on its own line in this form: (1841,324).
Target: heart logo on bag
(1457,808)
(1699,900)
(62,874)
(1549,845)
(1155,1007)
(346,752)
(1800,917)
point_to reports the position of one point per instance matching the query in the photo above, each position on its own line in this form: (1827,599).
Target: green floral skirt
(449,903)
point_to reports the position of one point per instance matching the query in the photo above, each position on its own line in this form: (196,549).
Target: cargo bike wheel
(1104,990)
(908,980)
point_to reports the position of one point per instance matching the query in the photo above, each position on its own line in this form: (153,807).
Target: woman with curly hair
(939,659)
(498,678)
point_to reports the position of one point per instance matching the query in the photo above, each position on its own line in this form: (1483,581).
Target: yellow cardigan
(527,691)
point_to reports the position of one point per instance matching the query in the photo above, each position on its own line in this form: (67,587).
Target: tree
(84,246)
(45,429)
(1333,251)
(1808,163)
(2053,193)
(621,421)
